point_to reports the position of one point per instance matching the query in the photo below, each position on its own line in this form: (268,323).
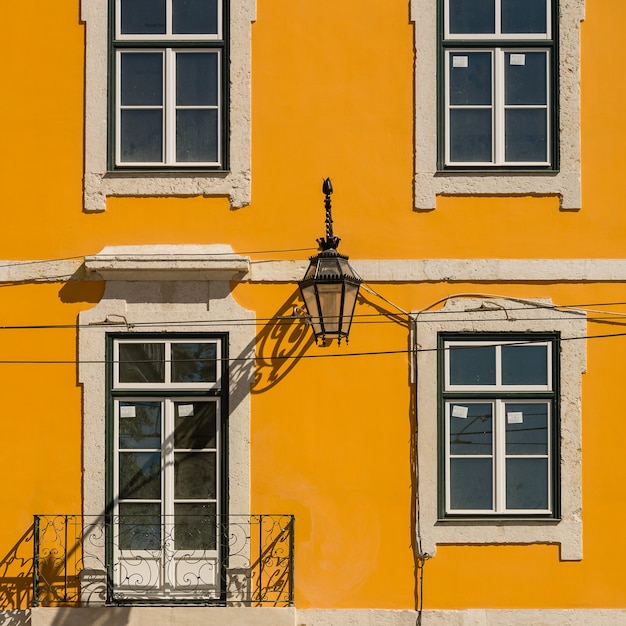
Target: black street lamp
(330,286)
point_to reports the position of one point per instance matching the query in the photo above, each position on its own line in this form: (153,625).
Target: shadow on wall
(16,578)
(280,345)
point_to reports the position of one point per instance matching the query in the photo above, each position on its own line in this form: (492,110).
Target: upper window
(499,424)
(169,60)
(498,102)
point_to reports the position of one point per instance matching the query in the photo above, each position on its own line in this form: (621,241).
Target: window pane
(527,484)
(472,16)
(526,78)
(194,362)
(472,365)
(524,365)
(142,362)
(195,527)
(195,425)
(196,78)
(196,136)
(141,79)
(526,135)
(526,428)
(139,526)
(195,475)
(524,16)
(140,425)
(194,17)
(143,17)
(141,136)
(471,484)
(140,475)
(473,433)
(470,135)
(470,78)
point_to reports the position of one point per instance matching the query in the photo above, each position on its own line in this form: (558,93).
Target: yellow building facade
(177,447)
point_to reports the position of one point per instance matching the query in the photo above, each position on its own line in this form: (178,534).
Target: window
(486,369)
(498,424)
(499,60)
(169,58)
(166,469)
(497,99)
(167,99)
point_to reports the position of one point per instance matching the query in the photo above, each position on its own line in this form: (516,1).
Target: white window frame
(499,457)
(168,384)
(497,34)
(169,108)
(168,27)
(498,108)
(161,570)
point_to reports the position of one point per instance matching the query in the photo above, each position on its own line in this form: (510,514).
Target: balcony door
(166,469)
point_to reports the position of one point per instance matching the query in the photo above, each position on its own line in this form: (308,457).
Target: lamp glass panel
(328,267)
(350,294)
(310,301)
(330,306)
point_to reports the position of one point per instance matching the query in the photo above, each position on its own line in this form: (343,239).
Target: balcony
(204,560)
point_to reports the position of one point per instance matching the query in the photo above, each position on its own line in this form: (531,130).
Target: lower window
(166,468)
(498,425)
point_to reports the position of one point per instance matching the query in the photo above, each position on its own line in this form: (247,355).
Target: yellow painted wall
(332,96)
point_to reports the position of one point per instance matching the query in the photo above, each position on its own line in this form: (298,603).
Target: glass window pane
(194,17)
(141,136)
(526,135)
(472,365)
(470,135)
(470,78)
(142,362)
(143,17)
(472,16)
(471,428)
(195,526)
(525,365)
(524,16)
(141,79)
(526,428)
(139,526)
(194,362)
(196,136)
(195,425)
(471,484)
(140,475)
(527,484)
(195,475)
(140,425)
(526,78)
(196,78)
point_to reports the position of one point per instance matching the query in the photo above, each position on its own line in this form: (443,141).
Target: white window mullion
(499,427)
(498,18)
(169,97)
(168,17)
(499,113)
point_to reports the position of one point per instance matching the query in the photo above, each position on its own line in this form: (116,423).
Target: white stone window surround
(168,289)
(497,316)
(99,183)
(429,182)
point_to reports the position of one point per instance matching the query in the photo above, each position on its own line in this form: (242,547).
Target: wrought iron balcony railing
(233,560)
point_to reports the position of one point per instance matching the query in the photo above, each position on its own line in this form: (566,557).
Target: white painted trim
(244,616)
(469,315)
(214,262)
(100,184)
(429,183)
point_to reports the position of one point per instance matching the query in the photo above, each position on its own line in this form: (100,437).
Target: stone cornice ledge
(167,263)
